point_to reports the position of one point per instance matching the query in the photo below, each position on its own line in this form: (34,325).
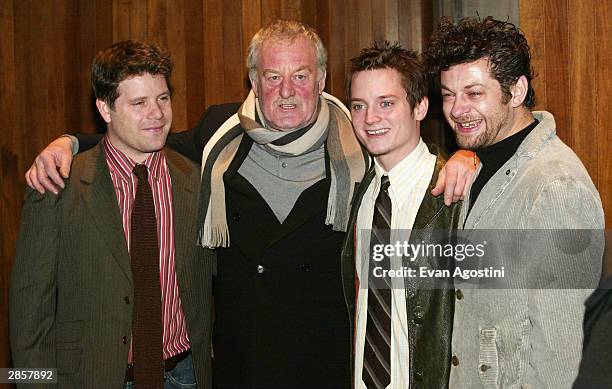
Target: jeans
(181,377)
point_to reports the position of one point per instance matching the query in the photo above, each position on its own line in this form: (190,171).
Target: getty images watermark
(494,259)
(449,251)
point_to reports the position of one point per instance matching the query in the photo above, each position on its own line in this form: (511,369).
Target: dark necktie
(147,339)
(376,372)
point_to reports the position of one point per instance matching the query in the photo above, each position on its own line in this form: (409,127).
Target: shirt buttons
(455,360)
(260,269)
(124,340)
(127,300)
(459,294)
(284,164)
(484,368)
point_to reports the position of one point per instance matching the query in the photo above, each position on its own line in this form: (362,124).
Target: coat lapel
(184,204)
(99,196)
(430,205)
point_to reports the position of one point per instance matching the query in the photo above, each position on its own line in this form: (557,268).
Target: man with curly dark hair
(529,179)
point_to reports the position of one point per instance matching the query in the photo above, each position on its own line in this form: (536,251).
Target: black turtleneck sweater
(493,157)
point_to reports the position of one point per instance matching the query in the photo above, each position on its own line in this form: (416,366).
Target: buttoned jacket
(530,338)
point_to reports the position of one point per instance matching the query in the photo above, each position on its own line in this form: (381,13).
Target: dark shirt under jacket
(493,157)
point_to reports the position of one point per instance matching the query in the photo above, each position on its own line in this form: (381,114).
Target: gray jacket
(529,338)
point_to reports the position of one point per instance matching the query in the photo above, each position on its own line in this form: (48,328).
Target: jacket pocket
(488,359)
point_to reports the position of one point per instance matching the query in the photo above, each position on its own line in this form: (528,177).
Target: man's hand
(43,174)
(455,175)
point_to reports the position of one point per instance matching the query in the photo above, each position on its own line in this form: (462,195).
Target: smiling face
(383,120)
(140,121)
(288,85)
(473,105)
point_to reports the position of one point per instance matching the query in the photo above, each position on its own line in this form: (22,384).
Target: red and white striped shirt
(125,183)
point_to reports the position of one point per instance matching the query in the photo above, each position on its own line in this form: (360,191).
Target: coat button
(455,360)
(260,269)
(484,368)
(459,294)
(236,217)
(306,267)
(418,315)
(124,340)
(418,376)
(284,164)
(127,300)
(508,172)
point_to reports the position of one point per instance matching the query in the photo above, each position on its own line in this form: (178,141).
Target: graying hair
(285,30)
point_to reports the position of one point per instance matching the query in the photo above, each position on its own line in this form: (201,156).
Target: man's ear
(420,110)
(254,86)
(104,110)
(519,91)
(321,82)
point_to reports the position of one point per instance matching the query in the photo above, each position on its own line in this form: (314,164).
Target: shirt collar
(403,175)
(124,165)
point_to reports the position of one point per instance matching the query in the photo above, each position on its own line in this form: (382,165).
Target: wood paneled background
(47,47)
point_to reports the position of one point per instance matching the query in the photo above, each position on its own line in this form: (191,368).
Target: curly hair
(501,43)
(285,30)
(384,55)
(125,59)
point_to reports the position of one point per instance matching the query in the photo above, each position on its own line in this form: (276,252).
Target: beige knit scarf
(348,162)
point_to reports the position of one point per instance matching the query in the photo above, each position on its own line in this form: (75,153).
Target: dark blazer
(429,307)
(71,291)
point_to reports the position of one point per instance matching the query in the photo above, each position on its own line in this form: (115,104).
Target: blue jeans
(181,377)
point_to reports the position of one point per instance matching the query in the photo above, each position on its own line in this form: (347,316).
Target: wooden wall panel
(583,84)
(602,136)
(9,169)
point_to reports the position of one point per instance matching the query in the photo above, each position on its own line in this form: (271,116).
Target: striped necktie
(376,372)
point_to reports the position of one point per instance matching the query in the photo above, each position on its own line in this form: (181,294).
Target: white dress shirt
(409,180)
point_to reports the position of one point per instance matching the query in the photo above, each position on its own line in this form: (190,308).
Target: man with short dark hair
(403,329)
(107,285)
(528,336)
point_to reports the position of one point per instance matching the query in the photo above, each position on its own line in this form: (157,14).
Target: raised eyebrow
(472,85)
